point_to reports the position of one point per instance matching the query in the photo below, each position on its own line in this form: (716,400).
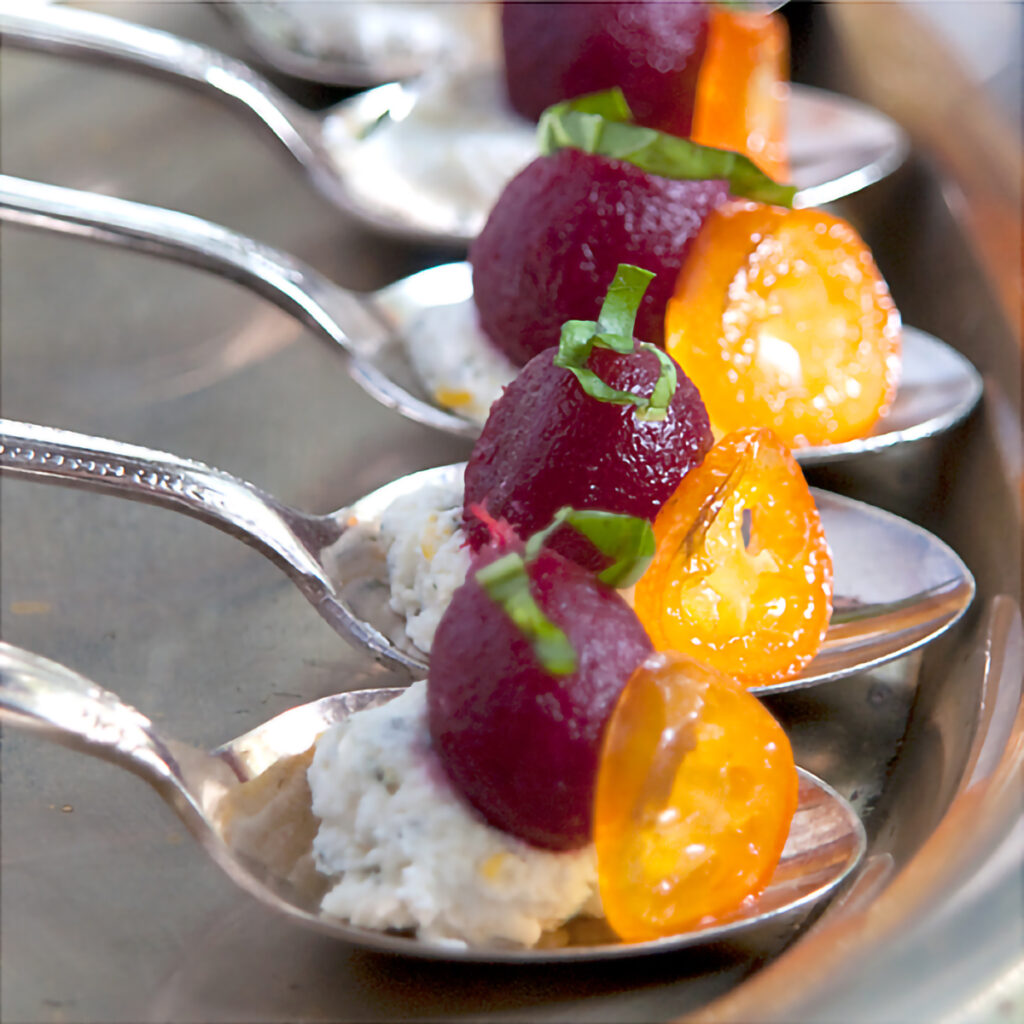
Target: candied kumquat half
(743,88)
(782,320)
(742,575)
(696,789)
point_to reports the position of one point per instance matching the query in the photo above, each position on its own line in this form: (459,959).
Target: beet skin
(521,745)
(547,443)
(558,232)
(652,49)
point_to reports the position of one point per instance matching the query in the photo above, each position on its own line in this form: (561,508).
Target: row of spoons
(911,589)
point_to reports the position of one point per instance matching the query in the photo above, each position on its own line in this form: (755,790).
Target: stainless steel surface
(912,590)
(838,146)
(108,912)
(826,840)
(938,387)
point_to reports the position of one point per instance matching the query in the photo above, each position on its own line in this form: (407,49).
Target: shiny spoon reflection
(826,839)
(837,146)
(897,587)
(379,331)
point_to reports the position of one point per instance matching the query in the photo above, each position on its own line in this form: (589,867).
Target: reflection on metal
(965,877)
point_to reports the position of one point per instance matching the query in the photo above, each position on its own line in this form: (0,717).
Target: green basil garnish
(627,540)
(508,585)
(614,330)
(601,123)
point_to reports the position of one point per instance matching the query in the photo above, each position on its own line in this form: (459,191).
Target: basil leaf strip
(507,584)
(595,124)
(627,540)
(614,330)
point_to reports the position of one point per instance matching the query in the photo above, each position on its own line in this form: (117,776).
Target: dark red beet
(521,745)
(547,443)
(555,237)
(653,50)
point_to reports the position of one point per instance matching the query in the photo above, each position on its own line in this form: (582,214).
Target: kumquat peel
(695,793)
(742,575)
(782,319)
(743,88)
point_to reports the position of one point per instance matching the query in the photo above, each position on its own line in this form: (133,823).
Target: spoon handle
(332,312)
(285,535)
(50,699)
(62,30)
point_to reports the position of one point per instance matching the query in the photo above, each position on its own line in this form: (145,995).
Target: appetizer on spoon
(387,335)
(249,804)
(912,588)
(384,157)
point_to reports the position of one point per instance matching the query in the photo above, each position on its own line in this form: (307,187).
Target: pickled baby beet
(548,443)
(520,744)
(552,242)
(651,49)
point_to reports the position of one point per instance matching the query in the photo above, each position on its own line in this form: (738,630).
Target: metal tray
(111,913)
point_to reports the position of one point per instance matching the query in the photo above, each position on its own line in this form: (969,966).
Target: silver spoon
(826,839)
(838,146)
(897,586)
(377,331)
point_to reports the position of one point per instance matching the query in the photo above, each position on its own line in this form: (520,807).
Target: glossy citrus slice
(743,88)
(742,575)
(781,319)
(696,789)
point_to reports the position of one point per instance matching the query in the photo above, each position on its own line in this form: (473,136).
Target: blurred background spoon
(363,44)
(385,331)
(896,585)
(826,839)
(425,160)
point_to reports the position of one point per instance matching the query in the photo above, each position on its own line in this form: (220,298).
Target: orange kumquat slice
(782,320)
(696,789)
(742,575)
(743,88)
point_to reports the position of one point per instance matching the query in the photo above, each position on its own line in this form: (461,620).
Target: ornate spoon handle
(215,497)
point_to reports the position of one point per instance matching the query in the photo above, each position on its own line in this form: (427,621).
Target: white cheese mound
(426,557)
(448,155)
(456,362)
(404,851)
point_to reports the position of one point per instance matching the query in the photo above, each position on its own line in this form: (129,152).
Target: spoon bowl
(356,152)
(897,586)
(383,334)
(825,844)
